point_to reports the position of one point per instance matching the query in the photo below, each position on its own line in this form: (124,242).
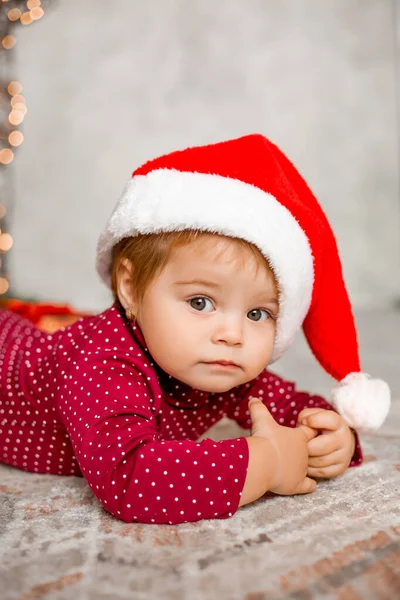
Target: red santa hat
(247,188)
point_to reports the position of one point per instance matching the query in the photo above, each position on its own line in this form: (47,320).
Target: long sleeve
(111,413)
(284,402)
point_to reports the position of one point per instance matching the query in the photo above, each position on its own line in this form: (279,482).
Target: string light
(36,13)
(14,87)
(4,285)
(15,117)
(14,14)
(17,98)
(15,138)
(26,18)
(6,156)
(17,12)
(8,42)
(6,242)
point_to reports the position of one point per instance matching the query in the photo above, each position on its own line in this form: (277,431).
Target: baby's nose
(229,331)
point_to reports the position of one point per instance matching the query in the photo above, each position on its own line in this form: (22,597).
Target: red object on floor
(39,313)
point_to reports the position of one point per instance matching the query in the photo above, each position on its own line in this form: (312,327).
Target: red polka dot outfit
(89,400)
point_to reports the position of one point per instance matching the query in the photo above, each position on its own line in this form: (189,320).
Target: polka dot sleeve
(284,402)
(112,420)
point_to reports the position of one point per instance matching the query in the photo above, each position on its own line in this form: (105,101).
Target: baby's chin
(212,385)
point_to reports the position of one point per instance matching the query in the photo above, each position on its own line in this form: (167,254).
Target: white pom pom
(363,402)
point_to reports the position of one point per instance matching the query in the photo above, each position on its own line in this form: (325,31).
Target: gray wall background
(109,85)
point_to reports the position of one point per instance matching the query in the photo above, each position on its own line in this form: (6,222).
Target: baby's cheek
(257,362)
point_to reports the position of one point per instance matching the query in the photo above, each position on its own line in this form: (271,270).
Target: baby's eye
(258,314)
(201,303)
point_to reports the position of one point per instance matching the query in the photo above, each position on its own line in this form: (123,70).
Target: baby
(216,256)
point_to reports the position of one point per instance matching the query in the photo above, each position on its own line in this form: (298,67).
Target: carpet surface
(340,543)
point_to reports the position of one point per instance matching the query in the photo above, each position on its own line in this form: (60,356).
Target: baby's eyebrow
(213,284)
(268,299)
(199,282)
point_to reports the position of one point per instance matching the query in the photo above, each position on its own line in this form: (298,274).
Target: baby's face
(206,307)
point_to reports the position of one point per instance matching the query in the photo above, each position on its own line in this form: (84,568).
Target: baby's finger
(262,422)
(306,412)
(334,458)
(309,432)
(326,472)
(323,444)
(325,419)
(307,486)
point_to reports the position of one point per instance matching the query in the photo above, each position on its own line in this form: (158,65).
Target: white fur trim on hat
(363,402)
(171,200)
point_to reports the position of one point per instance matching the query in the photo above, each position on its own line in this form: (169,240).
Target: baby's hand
(330,453)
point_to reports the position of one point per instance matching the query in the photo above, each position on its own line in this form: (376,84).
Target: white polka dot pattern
(88,400)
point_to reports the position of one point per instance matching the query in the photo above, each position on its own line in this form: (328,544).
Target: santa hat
(247,188)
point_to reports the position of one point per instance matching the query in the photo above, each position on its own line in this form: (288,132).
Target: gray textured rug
(342,542)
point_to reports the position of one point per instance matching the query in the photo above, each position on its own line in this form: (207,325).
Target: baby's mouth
(228,364)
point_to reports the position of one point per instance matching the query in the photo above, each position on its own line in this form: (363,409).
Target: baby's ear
(124,285)
(125,262)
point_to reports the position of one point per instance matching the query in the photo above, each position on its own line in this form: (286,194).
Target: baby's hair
(149,254)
